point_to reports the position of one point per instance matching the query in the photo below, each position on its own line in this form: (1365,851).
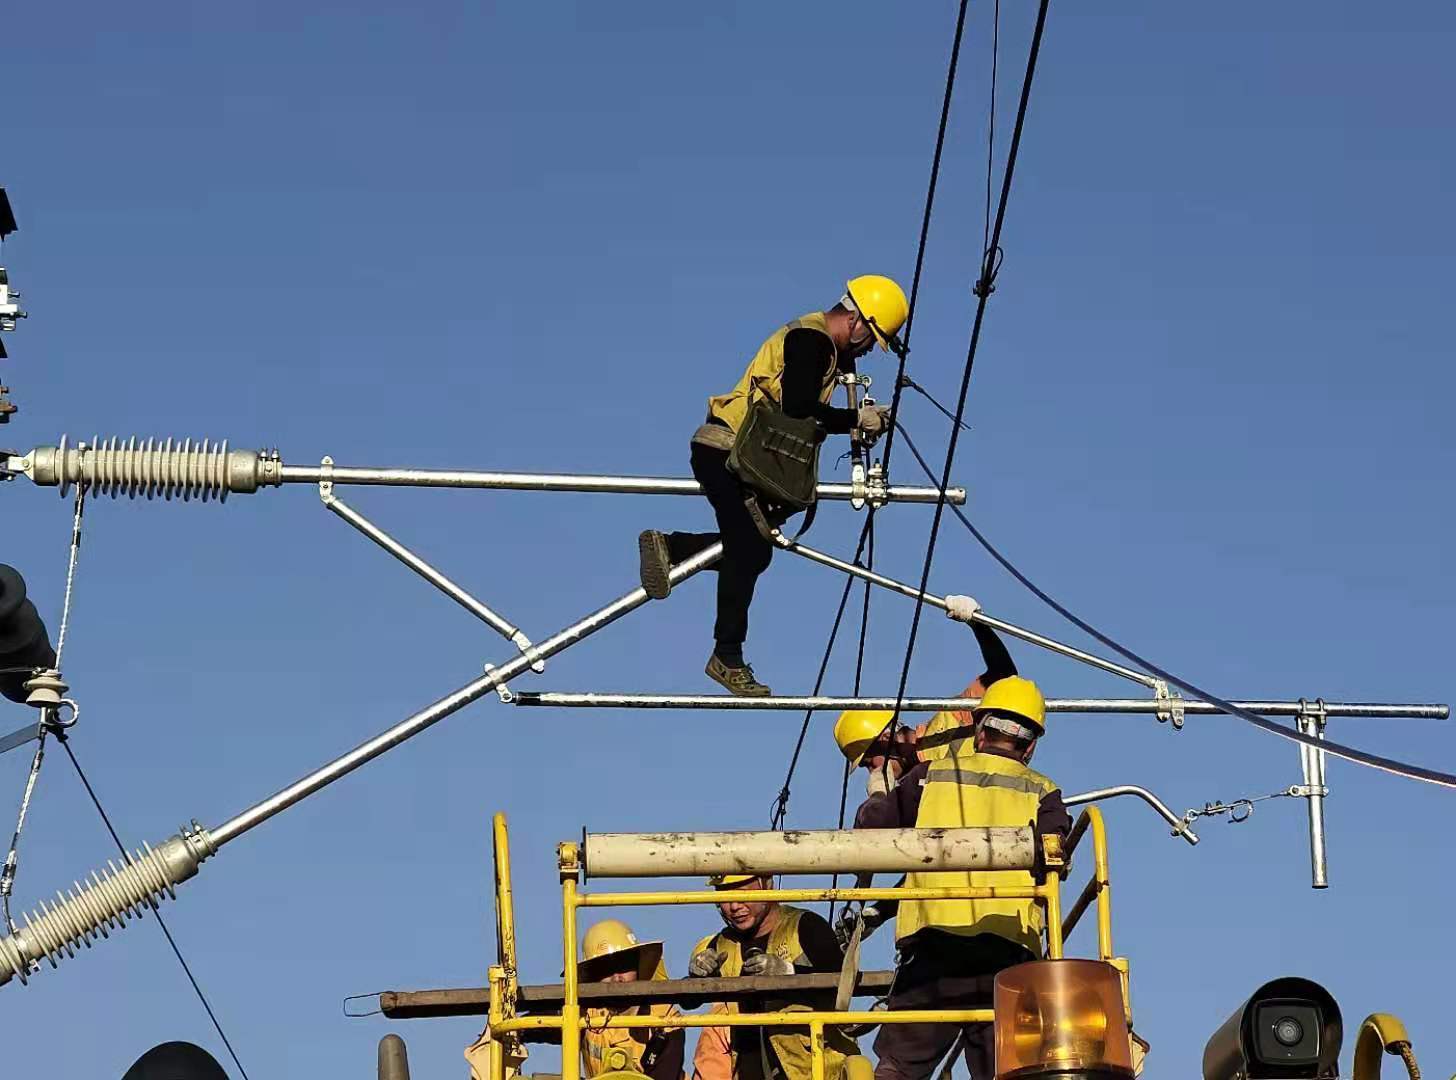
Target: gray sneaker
(654,564)
(738,681)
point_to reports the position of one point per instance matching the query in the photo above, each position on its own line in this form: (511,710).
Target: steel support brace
(1087,706)
(900,587)
(582,483)
(78,917)
(1311,722)
(455,592)
(433,714)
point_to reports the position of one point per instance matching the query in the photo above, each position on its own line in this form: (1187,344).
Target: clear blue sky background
(1211,412)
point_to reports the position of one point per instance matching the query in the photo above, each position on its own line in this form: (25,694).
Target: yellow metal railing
(506,1026)
(1099,887)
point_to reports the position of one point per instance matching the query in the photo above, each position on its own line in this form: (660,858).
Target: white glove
(961,608)
(881,781)
(873,422)
(705,965)
(767,964)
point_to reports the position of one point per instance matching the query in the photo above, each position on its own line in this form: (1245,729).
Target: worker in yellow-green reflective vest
(950,950)
(765,938)
(794,371)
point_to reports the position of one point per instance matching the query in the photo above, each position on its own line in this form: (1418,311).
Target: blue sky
(1211,412)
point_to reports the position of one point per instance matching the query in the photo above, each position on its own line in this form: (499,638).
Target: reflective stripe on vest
(969,789)
(790,1047)
(765,374)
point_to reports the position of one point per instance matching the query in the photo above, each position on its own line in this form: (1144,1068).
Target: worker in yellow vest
(864,735)
(950,950)
(796,371)
(611,953)
(761,938)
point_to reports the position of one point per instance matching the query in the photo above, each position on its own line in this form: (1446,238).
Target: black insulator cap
(24,642)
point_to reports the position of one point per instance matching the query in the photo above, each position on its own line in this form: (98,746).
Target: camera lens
(1288,1031)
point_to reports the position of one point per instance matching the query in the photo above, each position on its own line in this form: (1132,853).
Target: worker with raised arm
(611,953)
(792,375)
(949,951)
(765,938)
(859,731)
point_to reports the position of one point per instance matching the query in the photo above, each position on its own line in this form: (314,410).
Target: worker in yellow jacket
(796,370)
(611,953)
(950,950)
(765,938)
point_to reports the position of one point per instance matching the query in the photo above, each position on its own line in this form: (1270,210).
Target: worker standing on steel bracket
(757,454)
(950,950)
(765,938)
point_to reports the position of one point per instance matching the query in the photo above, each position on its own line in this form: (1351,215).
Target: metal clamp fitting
(502,691)
(326,480)
(1172,705)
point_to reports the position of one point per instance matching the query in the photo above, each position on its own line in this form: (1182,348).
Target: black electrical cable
(983,292)
(187,970)
(911,384)
(781,802)
(950,78)
(1339,750)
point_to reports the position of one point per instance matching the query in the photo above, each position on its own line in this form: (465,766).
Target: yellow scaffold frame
(505,1025)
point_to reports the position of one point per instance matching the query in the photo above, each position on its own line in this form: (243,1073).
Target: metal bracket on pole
(858,489)
(502,691)
(1170,705)
(877,488)
(1311,722)
(455,592)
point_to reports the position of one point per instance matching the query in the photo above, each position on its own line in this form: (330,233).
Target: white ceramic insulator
(105,902)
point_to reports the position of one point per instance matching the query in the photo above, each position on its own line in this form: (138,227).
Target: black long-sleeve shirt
(994,653)
(809,356)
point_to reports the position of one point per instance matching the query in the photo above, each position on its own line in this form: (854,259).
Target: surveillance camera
(1289,1028)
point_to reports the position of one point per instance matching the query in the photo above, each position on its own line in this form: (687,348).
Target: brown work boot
(654,564)
(736,678)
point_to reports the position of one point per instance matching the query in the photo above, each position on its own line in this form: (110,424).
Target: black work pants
(746,553)
(944,971)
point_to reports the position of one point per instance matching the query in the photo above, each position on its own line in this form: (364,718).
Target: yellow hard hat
(883,305)
(856,730)
(1017,696)
(612,937)
(732,881)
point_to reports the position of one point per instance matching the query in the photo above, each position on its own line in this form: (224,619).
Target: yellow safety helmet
(612,938)
(856,730)
(882,304)
(1017,696)
(732,881)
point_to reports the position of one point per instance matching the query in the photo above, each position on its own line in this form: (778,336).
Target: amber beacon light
(1061,1018)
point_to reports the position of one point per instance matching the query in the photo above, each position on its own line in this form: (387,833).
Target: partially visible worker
(865,737)
(765,938)
(611,953)
(949,951)
(795,372)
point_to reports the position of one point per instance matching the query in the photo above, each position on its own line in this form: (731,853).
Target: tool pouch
(777,456)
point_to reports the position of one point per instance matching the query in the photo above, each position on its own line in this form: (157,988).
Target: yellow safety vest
(939,724)
(965,788)
(790,1047)
(765,374)
(605,1049)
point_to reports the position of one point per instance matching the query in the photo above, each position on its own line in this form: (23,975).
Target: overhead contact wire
(983,290)
(176,949)
(1339,750)
(867,533)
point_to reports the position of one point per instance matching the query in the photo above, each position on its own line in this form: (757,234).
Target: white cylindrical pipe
(827,851)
